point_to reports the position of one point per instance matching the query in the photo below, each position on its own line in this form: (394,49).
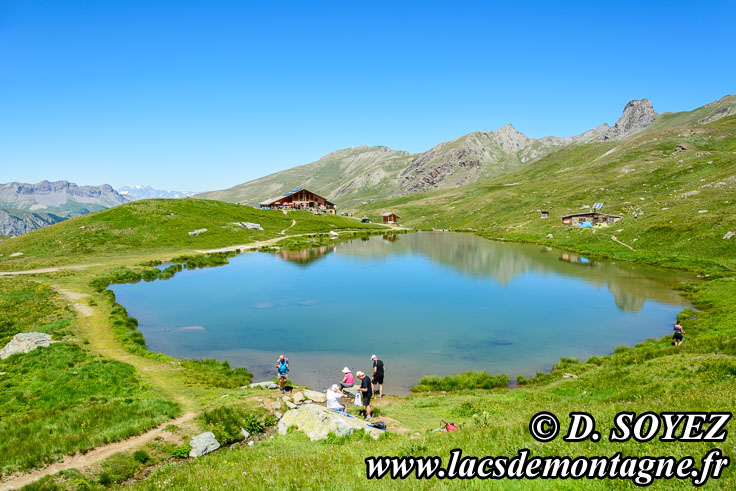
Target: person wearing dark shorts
(679,331)
(366,389)
(282,371)
(378,370)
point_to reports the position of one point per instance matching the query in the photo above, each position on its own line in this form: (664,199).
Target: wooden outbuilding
(390,217)
(592,217)
(299,199)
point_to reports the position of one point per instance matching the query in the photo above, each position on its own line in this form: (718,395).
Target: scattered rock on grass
(249,225)
(25,342)
(569,375)
(195,233)
(16,254)
(550,236)
(315,396)
(203,444)
(728,235)
(244,432)
(266,385)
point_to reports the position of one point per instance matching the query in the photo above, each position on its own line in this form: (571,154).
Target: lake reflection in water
(426,303)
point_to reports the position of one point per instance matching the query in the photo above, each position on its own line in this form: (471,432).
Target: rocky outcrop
(14,223)
(317,422)
(637,115)
(27,207)
(25,342)
(203,444)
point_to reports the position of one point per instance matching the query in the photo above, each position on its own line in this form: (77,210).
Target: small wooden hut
(593,217)
(390,217)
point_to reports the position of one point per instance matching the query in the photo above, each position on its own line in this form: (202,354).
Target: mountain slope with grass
(157,226)
(675,189)
(358,176)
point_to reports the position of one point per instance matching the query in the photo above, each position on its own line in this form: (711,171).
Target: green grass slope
(157,225)
(684,199)
(723,107)
(62,399)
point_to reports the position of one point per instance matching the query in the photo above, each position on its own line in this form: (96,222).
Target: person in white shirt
(333,398)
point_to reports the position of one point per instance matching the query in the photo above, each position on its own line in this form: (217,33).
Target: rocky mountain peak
(637,115)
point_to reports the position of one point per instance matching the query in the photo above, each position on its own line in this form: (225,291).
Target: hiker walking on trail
(378,371)
(366,388)
(282,369)
(679,332)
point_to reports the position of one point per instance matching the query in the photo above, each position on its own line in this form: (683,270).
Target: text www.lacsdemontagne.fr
(642,471)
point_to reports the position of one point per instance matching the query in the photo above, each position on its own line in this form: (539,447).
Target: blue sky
(205,95)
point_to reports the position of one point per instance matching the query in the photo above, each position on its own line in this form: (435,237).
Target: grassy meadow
(58,400)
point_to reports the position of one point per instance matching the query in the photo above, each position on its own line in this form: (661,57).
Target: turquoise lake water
(425,303)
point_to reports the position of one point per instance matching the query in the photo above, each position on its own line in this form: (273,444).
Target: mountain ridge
(359,175)
(25,207)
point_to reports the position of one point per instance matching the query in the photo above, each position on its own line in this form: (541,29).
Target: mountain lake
(427,303)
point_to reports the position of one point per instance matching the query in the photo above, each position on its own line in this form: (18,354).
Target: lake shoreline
(405,390)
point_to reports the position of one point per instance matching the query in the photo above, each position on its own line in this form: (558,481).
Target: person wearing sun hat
(348,380)
(333,396)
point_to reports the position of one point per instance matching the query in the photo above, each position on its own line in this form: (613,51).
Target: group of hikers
(365,391)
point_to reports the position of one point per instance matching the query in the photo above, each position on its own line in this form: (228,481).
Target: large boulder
(25,342)
(314,396)
(317,422)
(203,444)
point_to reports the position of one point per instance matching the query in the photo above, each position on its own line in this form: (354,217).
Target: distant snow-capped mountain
(137,192)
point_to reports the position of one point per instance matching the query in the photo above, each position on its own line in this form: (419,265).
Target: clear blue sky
(204,95)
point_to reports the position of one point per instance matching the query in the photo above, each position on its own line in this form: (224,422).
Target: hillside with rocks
(26,207)
(358,176)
